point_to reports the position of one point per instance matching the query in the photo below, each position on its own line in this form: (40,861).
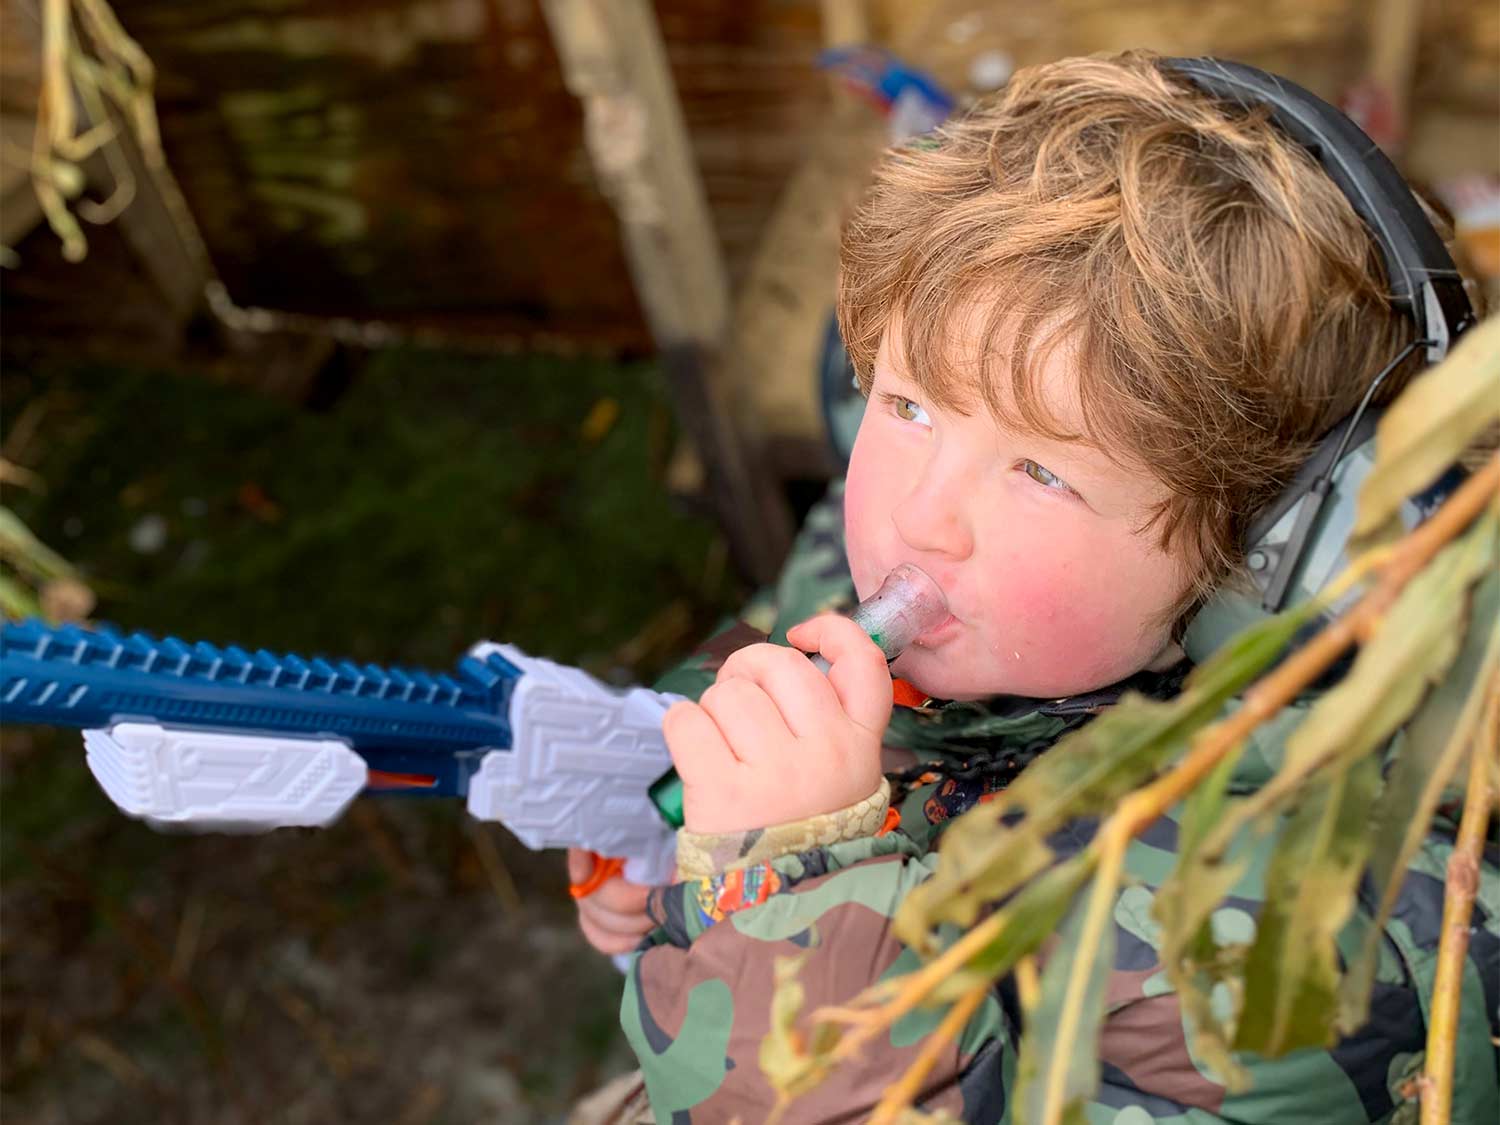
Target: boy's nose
(931,519)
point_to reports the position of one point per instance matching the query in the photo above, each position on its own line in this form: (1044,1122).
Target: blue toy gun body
(223,739)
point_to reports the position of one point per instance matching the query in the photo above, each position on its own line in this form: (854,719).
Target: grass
(443,499)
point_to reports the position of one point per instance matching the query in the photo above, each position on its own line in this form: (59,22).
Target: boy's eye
(1043,476)
(909,411)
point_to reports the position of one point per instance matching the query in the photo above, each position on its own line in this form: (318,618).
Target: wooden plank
(1393,48)
(613,61)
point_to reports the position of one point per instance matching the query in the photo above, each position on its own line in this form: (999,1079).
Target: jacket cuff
(702,855)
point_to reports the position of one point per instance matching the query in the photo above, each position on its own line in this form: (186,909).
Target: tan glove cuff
(701,855)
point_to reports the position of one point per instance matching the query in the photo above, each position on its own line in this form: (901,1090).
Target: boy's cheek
(861,495)
(1077,624)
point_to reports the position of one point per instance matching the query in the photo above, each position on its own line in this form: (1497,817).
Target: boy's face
(1053,587)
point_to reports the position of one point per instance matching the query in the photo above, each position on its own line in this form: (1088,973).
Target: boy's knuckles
(619,896)
(613,921)
(676,716)
(734,703)
(605,941)
(693,740)
(757,662)
(748,655)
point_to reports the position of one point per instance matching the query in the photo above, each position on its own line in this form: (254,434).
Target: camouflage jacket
(697,999)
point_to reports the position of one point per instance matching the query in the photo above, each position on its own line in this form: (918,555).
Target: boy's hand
(775,740)
(613,918)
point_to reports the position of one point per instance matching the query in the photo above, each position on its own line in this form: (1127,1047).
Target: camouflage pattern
(697,999)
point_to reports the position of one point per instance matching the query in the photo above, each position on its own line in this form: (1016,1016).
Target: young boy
(1100,321)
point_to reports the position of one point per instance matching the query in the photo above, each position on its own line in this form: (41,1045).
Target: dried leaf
(16,601)
(790,1063)
(1430,425)
(28,554)
(11,473)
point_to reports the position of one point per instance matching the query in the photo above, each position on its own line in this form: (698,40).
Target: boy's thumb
(858,673)
(580,865)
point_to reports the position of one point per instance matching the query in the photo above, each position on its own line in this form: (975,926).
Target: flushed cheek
(1076,624)
(869,490)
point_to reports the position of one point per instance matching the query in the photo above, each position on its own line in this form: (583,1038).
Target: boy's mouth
(938,633)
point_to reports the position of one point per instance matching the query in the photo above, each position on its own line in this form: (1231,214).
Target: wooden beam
(614,62)
(1393,49)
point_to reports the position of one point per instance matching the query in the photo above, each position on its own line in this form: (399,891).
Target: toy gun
(221,739)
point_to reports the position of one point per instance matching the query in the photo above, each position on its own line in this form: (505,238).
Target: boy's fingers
(618,895)
(580,865)
(799,691)
(858,671)
(623,895)
(697,747)
(605,941)
(614,921)
(746,716)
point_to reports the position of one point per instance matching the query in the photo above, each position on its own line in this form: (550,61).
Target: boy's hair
(1222,302)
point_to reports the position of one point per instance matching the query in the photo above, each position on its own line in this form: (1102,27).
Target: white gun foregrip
(582,758)
(213,782)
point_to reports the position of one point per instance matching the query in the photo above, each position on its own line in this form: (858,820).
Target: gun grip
(605,868)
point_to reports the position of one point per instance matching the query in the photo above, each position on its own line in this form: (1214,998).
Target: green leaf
(1414,648)
(983,859)
(1432,753)
(1025,922)
(1204,806)
(1236,663)
(1292,971)
(969,876)
(1292,980)
(1432,422)
(1058,1068)
(1195,962)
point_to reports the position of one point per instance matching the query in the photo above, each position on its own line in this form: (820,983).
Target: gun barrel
(399,720)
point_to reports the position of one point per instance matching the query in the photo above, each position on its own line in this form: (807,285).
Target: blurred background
(374,329)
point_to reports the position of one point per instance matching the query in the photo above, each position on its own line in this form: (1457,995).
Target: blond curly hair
(1223,303)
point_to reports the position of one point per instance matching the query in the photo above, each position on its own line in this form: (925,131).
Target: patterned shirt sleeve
(697,1001)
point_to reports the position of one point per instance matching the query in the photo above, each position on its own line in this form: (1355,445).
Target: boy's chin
(942,674)
(932,672)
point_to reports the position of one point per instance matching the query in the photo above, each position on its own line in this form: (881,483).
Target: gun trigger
(605,869)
